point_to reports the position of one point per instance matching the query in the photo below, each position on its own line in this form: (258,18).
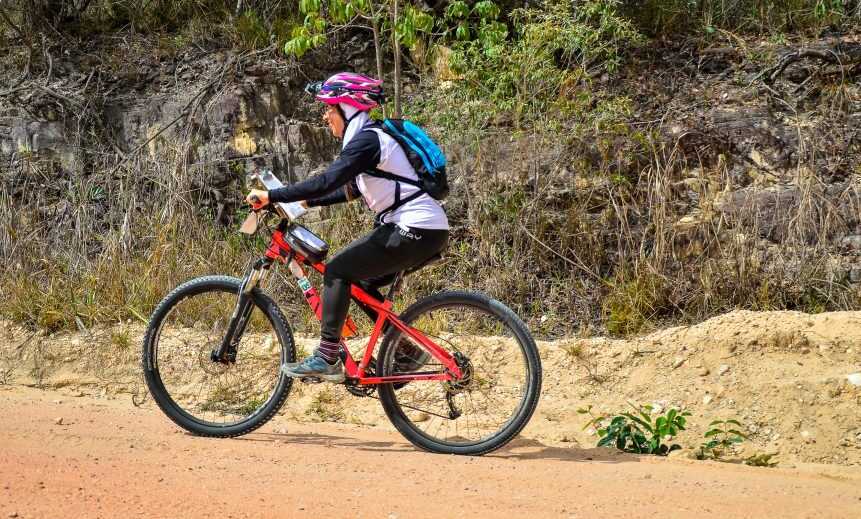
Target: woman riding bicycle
(410,226)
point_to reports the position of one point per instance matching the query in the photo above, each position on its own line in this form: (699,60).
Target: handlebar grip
(256,203)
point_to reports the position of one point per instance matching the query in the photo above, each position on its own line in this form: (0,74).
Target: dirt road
(68,456)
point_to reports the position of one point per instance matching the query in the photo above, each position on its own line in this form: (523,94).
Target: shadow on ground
(528,449)
(520,448)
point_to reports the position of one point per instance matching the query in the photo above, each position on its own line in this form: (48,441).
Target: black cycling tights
(372,261)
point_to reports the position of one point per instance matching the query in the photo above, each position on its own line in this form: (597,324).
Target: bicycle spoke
(209,391)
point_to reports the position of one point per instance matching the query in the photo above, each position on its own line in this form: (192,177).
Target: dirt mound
(782,374)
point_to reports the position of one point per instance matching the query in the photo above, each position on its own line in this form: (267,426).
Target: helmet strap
(348,119)
(342,114)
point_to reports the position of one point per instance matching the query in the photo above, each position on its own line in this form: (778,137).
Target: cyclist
(410,227)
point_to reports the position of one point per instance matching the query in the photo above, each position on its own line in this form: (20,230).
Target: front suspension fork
(226,352)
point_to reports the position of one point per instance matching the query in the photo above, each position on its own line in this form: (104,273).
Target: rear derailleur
(454,387)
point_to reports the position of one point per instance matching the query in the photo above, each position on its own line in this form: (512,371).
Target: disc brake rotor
(209,366)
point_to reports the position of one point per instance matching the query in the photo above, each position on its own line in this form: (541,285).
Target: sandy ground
(784,375)
(64,455)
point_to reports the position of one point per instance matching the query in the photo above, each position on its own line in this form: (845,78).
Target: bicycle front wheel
(496,397)
(207,397)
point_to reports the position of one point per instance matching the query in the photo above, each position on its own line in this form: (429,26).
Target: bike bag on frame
(305,242)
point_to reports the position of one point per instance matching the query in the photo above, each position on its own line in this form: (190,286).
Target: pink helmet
(359,91)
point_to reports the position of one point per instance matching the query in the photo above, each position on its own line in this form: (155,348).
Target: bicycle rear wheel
(206,397)
(500,389)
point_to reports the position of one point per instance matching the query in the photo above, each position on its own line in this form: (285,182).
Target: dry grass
(582,355)
(326,407)
(560,259)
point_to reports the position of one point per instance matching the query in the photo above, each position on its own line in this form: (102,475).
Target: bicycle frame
(281,251)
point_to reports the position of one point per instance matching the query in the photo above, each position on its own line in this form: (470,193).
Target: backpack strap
(378,173)
(397,179)
(378,220)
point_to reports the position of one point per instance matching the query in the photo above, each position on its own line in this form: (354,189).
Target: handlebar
(291,211)
(256,203)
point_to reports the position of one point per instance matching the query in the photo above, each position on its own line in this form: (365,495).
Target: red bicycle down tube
(280,250)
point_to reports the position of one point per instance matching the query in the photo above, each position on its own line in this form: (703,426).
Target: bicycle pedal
(311,380)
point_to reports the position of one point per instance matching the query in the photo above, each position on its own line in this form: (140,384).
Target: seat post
(395,286)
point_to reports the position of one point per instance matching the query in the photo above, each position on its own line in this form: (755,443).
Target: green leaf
(713,432)
(462,32)
(654,444)
(424,22)
(297,46)
(337,11)
(457,10)
(605,441)
(487,9)
(734,422)
(645,425)
(646,412)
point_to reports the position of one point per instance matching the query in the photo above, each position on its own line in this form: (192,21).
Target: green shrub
(553,47)
(639,432)
(721,436)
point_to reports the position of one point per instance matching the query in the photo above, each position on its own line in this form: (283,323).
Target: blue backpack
(424,154)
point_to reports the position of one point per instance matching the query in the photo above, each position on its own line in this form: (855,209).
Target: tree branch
(8,20)
(396,45)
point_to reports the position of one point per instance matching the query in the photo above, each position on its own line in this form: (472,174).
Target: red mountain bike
(214,346)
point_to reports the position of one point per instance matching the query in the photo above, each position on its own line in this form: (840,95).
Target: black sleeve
(361,154)
(347,193)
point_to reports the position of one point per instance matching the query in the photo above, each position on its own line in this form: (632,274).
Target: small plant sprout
(721,436)
(638,432)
